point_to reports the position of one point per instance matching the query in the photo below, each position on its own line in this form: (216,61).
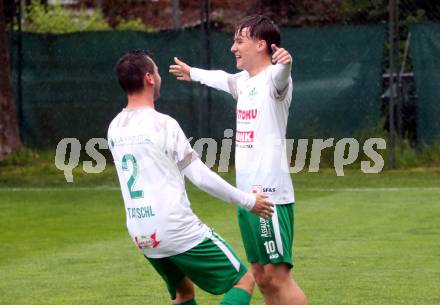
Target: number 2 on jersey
(134,194)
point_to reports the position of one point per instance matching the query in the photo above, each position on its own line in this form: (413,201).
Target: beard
(156,92)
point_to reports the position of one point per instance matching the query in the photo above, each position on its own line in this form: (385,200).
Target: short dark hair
(262,28)
(131,69)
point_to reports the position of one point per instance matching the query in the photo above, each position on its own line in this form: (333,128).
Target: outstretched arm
(282,69)
(216,78)
(201,176)
(180,70)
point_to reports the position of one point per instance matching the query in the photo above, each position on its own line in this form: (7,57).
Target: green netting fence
(425,46)
(69,88)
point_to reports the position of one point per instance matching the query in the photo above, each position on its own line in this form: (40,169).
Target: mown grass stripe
(305,189)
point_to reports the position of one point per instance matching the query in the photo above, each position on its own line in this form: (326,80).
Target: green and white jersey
(262,113)
(150,150)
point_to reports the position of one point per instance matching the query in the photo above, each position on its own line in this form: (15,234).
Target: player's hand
(180,70)
(262,208)
(280,55)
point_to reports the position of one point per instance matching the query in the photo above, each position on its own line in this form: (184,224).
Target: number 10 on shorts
(270,246)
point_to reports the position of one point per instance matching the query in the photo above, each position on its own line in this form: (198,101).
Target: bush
(22,157)
(57,19)
(133,25)
(408,156)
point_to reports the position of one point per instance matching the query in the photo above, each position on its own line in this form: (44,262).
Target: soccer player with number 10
(263,91)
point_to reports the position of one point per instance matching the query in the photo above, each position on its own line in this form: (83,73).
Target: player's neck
(260,66)
(139,100)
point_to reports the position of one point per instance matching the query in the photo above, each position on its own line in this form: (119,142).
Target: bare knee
(247,283)
(263,279)
(272,276)
(276,283)
(184,291)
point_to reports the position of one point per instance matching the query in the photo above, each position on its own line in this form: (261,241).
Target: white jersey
(262,112)
(150,150)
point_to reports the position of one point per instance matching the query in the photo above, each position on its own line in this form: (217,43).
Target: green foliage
(57,19)
(365,11)
(417,16)
(409,156)
(92,22)
(22,157)
(133,25)
(431,154)
(406,156)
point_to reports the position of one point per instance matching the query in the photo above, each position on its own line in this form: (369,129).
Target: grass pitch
(359,240)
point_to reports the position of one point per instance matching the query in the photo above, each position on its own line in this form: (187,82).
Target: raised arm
(205,179)
(282,69)
(213,78)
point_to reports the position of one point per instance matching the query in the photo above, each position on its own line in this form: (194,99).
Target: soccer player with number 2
(152,156)
(263,91)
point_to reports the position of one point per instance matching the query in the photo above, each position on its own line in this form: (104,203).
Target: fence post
(19,17)
(392,7)
(205,107)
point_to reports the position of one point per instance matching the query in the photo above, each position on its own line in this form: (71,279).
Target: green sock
(190,302)
(236,296)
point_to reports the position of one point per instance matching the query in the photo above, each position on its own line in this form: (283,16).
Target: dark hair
(131,69)
(262,28)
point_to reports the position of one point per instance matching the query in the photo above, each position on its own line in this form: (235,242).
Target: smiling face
(253,40)
(246,49)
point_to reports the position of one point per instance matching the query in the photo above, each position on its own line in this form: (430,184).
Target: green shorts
(212,265)
(268,241)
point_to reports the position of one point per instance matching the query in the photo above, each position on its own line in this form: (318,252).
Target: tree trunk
(9,133)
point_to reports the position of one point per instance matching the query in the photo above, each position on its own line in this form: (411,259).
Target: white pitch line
(114,188)
(58,189)
(372,189)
